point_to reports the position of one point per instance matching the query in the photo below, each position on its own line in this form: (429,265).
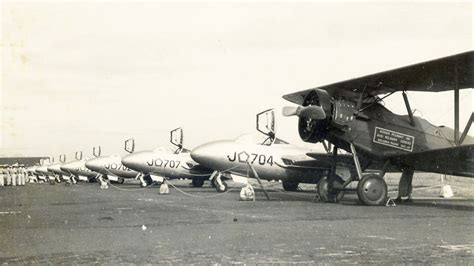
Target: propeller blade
(290,111)
(312,111)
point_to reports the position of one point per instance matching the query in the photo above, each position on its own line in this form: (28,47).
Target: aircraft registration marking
(244,157)
(114,166)
(158,162)
(393,139)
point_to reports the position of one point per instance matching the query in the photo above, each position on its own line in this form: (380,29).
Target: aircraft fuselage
(268,161)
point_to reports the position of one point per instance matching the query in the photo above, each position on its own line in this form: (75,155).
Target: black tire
(198,182)
(121,180)
(290,186)
(372,190)
(219,188)
(324,193)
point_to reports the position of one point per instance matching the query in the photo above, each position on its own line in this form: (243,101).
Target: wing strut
(407,105)
(456,106)
(466,129)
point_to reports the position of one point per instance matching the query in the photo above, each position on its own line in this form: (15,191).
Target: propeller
(313,111)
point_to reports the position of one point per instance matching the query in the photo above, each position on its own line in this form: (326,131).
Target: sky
(81,74)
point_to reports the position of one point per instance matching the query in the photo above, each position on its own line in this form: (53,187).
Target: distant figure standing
(21,175)
(14,174)
(2,181)
(405,186)
(8,175)
(25,174)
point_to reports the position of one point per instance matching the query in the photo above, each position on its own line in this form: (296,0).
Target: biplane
(349,115)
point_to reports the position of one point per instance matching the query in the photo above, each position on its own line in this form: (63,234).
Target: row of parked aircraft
(347,115)
(271,158)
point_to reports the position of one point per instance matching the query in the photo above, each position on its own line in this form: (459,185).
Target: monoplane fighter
(169,164)
(55,169)
(79,170)
(43,173)
(110,167)
(272,159)
(350,115)
(33,176)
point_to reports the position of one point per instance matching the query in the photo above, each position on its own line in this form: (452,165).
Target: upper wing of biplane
(432,76)
(458,160)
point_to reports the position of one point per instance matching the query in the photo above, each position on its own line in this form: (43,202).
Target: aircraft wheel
(290,186)
(324,194)
(148,181)
(198,182)
(121,181)
(220,187)
(372,190)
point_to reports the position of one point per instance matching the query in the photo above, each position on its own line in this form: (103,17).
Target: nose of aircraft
(137,161)
(96,164)
(211,154)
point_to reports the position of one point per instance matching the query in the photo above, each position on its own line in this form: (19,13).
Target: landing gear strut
(330,189)
(217,182)
(372,189)
(333,196)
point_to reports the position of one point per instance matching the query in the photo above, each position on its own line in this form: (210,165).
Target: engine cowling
(315,130)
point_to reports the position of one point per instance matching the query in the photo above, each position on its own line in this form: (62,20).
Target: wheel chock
(390,203)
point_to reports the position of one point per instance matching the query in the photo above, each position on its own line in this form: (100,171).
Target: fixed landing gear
(120,180)
(145,180)
(330,188)
(333,196)
(218,183)
(372,190)
(290,186)
(221,186)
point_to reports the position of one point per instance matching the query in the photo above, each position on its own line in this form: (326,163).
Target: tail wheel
(372,190)
(333,196)
(290,186)
(198,182)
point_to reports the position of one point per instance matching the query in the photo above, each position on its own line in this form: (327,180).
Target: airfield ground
(58,224)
